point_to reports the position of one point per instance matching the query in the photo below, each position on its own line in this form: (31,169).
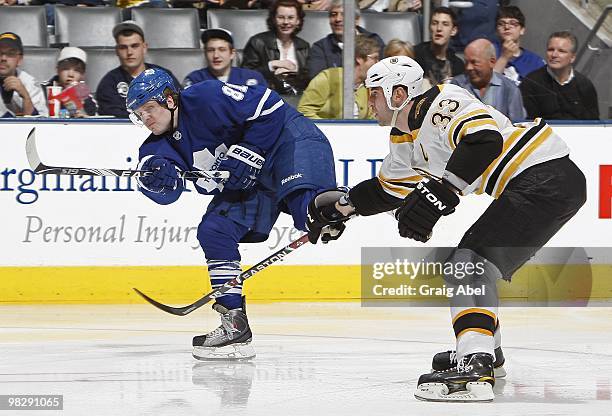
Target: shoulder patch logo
(177,135)
(417,109)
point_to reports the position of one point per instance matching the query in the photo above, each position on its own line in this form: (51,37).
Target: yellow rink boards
(179,285)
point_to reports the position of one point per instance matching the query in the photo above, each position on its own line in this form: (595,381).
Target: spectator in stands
(279,54)
(219,52)
(513,61)
(476,22)
(228,4)
(113,87)
(323,97)
(327,52)
(21,94)
(557,90)
(391,5)
(397,47)
(320,5)
(487,85)
(436,57)
(128,4)
(71,67)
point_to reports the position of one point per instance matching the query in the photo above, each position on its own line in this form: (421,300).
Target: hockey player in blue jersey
(278,161)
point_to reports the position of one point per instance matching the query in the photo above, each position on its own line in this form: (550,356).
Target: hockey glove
(163,178)
(244,165)
(423,208)
(323,219)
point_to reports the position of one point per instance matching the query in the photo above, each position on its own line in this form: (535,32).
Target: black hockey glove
(423,208)
(244,165)
(323,219)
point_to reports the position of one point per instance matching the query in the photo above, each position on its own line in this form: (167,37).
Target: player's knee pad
(219,237)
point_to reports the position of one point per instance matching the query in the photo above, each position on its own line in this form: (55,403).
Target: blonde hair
(397,47)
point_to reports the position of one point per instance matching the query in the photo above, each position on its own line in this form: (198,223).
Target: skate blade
(231,352)
(479,391)
(499,372)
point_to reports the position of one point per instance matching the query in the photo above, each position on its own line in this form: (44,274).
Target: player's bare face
(442,29)
(131,51)
(155,117)
(378,106)
(219,55)
(287,21)
(559,54)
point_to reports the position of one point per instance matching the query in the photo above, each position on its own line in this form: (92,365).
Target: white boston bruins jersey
(439,120)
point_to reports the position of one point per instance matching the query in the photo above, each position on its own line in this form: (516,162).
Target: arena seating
(33,18)
(86,26)
(40,62)
(180,61)
(169,28)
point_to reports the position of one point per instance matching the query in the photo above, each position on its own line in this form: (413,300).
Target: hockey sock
(497,334)
(222,271)
(474,329)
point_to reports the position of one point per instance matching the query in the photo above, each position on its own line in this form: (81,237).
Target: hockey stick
(39,167)
(268,261)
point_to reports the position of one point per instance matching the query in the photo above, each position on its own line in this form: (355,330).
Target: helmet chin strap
(172,111)
(394,118)
(172,128)
(396,111)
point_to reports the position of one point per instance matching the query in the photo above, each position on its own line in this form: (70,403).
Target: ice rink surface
(313,359)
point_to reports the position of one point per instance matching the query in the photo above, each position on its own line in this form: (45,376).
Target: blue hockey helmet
(152,84)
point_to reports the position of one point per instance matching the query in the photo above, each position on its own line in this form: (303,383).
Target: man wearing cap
(131,49)
(71,66)
(20,92)
(219,52)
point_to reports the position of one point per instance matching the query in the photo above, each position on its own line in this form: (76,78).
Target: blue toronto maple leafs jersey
(212,117)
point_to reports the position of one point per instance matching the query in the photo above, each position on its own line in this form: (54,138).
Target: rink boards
(89,239)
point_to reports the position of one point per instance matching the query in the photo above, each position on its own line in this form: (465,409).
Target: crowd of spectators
(478,49)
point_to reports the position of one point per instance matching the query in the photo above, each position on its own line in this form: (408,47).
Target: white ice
(312,359)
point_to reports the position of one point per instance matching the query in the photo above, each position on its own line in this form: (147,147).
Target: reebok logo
(290,178)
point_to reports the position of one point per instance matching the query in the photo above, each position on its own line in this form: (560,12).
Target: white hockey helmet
(396,70)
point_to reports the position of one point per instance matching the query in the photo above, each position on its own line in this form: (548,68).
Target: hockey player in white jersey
(445,144)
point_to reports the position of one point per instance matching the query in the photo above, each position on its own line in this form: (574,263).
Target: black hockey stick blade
(273,258)
(40,168)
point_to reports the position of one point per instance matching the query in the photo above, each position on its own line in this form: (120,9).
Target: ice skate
(448,359)
(230,341)
(471,380)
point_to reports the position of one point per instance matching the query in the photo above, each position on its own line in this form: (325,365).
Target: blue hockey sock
(221,271)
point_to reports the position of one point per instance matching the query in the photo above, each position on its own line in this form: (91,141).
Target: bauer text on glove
(244,165)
